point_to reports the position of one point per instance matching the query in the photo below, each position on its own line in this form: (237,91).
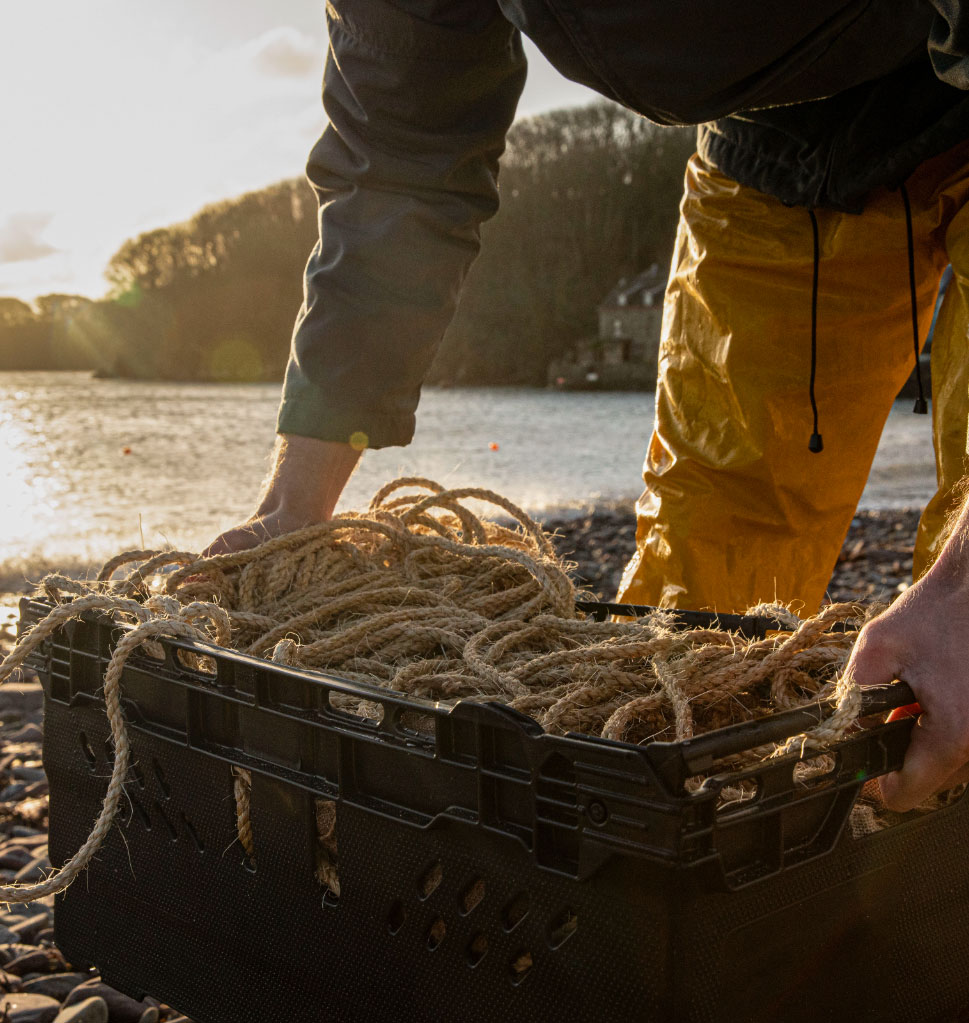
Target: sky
(120,116)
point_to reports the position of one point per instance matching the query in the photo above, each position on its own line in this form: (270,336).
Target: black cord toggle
(815,444)
(921,405)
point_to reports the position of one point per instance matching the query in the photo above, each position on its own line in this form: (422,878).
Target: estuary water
(90,467)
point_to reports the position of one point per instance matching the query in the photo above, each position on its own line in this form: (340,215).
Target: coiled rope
(422,595)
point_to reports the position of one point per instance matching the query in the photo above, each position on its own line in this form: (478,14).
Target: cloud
(20,239)
(286,52)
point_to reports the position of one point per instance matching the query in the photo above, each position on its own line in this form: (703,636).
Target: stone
(13,950)
(91,1010)
(37,960)
(121,1008)
(41,905)
(55,985)
(28,927)
(28,733)
(24,1008)
(31,809)
(13,857)
(36,870)
(10,982)
(22,694)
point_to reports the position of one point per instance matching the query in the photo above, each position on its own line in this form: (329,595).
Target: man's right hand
(305,483)
(923,638)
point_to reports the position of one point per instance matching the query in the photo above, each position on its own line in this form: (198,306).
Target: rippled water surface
(89,467)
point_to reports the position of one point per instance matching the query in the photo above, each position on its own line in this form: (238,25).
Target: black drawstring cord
(921,407)
(816,444)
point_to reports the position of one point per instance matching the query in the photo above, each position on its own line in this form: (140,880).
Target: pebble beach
(37,984)
(875,563)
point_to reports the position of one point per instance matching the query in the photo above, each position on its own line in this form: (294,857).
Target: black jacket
(837,96)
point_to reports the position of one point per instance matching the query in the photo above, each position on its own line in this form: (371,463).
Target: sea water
(90,467)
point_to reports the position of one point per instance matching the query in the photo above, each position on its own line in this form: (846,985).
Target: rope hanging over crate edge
(422,595)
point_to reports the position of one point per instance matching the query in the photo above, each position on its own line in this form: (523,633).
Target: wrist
(950,570)
(306,480)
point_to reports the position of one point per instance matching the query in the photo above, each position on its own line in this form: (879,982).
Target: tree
(588,195)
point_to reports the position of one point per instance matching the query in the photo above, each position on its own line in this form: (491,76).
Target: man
(831,183)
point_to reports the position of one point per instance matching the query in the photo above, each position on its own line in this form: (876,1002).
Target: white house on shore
(623,356)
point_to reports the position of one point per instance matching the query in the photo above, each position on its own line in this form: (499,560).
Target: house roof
(645,288)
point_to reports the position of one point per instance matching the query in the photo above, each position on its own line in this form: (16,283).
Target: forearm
(405,174)
(306,479)
(923,639)
(303,487)
(951,567)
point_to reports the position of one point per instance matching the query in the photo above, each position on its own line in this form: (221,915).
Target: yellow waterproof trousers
(736,508)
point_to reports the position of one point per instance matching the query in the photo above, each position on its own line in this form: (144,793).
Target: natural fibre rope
(423,596)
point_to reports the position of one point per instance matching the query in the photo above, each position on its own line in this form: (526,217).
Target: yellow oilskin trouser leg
(736,509)
(950,395)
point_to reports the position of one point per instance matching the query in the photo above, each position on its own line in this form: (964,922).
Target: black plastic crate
(488,871)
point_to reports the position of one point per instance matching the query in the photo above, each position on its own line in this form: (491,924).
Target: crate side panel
(445,922)
(874,931)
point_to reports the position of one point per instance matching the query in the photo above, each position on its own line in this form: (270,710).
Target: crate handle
(677,761)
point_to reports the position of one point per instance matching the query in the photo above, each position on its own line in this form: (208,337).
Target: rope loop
(422,595)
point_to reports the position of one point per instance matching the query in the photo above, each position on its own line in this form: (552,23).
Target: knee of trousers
(736,508)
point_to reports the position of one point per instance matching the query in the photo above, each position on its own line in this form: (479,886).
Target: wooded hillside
(588,195)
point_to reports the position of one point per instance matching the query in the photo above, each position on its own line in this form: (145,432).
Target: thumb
(239,538)
(874,661)
(937,749)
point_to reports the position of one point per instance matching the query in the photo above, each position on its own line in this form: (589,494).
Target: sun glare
(122,119)
(26,502)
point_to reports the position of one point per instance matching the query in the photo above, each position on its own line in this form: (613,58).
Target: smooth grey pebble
(121,1007)
(22,909)
(28,733)
(15,856)
(36,870)
(13,950)
(28,926)
(55,985)
(27,1008)
(91,1010)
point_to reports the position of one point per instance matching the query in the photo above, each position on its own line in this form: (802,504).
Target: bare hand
(251,533)
(305,483)
(923,639)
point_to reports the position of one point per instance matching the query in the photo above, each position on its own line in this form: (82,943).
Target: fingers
(240,538)
(888,649)
(874,660)
(935,760)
